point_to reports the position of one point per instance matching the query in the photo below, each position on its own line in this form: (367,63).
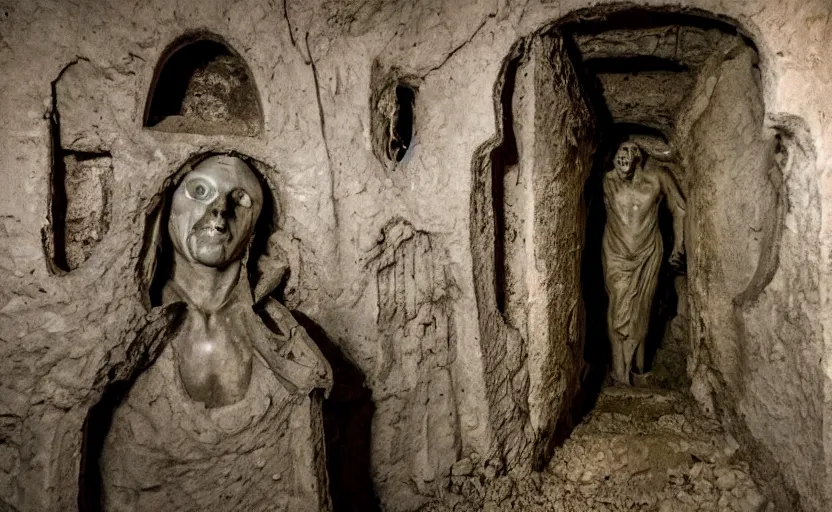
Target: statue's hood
(265,264)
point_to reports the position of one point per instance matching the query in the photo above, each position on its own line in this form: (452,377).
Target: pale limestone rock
(758,285)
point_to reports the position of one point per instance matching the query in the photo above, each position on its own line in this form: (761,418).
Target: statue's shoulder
(657,167)
(292,354)
(607,179)
(653,172)
(608,186)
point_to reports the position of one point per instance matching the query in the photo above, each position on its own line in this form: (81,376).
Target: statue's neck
(206,288)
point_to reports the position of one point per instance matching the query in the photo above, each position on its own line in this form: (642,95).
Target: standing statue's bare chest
(636,197)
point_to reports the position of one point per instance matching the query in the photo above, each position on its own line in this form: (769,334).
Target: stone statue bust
(228,416)
(632,249)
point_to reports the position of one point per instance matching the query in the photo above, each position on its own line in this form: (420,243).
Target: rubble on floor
(637,450)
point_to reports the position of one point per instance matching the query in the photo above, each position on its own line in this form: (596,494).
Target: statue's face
(214,210)
(625,158)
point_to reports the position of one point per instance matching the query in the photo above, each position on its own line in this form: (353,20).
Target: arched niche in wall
(201,85)
(392,107)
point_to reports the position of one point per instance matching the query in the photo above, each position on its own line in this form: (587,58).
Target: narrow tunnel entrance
(644,71)
(683,89)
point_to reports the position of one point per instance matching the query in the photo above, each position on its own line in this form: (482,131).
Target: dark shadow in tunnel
(597,353)
(666,300)
(96,427)
(502,157)
(348,414)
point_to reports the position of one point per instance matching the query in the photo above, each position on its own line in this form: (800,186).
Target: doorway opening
(676,83)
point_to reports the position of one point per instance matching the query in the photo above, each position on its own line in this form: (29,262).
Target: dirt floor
(640,449)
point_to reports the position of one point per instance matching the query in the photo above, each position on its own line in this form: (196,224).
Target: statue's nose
(219,208)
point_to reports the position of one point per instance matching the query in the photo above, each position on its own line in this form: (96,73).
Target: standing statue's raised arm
(677,205)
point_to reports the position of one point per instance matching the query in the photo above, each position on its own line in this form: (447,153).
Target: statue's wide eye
(242,198)
(200,190)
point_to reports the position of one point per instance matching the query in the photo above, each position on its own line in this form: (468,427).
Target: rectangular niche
(81,184)
(81,174)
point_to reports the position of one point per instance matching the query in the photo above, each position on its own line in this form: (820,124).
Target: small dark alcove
(348,414)
(203,86)
(405,98)
(392,114)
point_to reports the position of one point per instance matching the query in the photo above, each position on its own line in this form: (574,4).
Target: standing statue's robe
(630,278)
(631,252)
(167,452)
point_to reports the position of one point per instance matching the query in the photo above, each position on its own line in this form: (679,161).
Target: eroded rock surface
(66,337)
(688,46)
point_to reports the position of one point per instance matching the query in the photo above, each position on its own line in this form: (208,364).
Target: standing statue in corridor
(632,250)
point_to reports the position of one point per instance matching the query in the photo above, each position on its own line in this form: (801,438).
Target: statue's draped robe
(167,452)
(631,255)
(630,278)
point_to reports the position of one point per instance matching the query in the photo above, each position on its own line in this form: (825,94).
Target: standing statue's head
(627,159)
(214,210)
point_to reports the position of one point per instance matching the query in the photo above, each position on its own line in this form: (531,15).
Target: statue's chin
(210,255)
(212,249)
(626,172)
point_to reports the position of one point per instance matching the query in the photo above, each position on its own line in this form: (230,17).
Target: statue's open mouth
(214,230)
(213,234)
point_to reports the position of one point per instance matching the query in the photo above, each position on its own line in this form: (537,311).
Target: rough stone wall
(529,255)
(414,291)
(560,155)
(647,98)
(311,62)
(504,351)
(753,272)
